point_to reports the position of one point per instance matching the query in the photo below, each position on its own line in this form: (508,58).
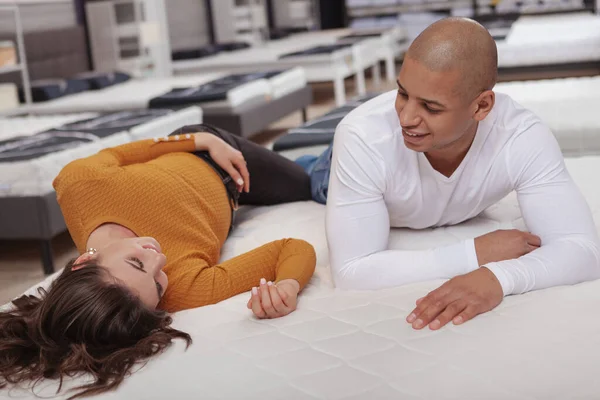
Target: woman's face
(137,263)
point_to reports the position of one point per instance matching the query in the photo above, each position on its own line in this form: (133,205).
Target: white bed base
(334,67)
(388,52)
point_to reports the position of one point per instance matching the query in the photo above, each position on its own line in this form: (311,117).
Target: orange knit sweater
(160,189)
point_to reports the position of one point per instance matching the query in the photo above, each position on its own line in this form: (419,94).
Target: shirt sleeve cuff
(460,258)
(502,276)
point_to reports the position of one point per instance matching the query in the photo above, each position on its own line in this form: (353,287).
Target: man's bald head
(459,44)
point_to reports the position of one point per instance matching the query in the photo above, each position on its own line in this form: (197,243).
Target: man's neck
(107,233)
(447,160)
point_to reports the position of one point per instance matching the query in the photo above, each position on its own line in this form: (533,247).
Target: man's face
(432,112)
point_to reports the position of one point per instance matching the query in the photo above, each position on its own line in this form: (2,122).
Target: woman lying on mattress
(150,218)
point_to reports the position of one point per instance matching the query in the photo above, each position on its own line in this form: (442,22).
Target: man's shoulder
(522,133)
(512,122)
(512,116)
(375,120)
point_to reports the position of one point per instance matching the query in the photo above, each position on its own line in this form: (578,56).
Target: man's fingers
(425,301)
(426,305)
(533,240)
(422,304)
(256,306)
(430,313)
(467,314)
(451,311)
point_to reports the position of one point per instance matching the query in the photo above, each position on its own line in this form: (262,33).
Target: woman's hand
(271,300)
(226,157)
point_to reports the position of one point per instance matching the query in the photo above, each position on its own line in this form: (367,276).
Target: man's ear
(483,104)
(81,261)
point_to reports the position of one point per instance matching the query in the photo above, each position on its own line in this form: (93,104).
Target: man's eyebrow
(437,103)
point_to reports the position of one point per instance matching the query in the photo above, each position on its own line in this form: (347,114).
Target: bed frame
(248,119)
(548,71)
(56,53)
(33,218)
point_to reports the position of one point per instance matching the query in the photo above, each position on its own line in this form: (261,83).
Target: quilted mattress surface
(568,106)
(32,158)
(31,124)
(553,39)
(355,345)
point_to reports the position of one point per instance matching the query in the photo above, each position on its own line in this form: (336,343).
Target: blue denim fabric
(318,170)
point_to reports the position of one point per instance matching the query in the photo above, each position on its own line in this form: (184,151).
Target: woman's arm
(194,283)
(110,160)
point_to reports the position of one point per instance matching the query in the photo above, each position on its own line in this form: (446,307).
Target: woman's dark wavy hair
(85,323)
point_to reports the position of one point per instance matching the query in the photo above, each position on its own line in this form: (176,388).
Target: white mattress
(568,106)
(356,345)
(553,39)
(136,94)
(287,82)
(388,40)
(265,57)
(32,124)
(34,177)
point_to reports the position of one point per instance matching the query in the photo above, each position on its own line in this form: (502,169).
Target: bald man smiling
(438,152)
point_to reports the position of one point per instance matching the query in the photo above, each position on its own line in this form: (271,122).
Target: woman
(150,218)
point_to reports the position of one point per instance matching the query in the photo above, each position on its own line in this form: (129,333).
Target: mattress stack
(207,90)
(50,89)
(33,150)
(235,89)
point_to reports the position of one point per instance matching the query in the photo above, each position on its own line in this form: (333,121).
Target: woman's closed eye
(136,263)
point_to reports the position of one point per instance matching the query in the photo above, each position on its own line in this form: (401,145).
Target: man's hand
(226,157)
(271,300)
(503,245)
(458,300)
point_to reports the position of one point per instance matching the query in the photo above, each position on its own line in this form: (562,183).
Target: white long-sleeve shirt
(377,182)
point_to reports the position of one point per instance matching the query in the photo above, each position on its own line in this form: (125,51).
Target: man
(438,152)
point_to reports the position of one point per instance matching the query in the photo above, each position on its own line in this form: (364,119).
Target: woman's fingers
(240,164)
(280,308)
(265,299)
(256,304)
(235,175)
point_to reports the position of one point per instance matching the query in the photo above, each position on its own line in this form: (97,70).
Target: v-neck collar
(483,129)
